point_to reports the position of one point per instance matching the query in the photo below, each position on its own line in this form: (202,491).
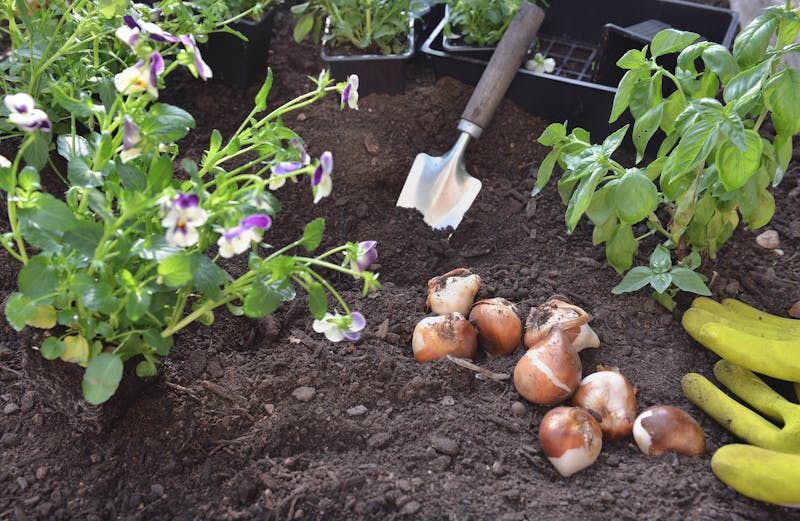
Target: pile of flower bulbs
(603,404)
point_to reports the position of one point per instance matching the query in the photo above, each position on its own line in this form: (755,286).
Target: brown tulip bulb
(499,326)
(571,439)
(613,398)
(435,337)
(571,319)
(453,292)
(550,371)
(664,428)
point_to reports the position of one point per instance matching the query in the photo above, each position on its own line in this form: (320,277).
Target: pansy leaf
(317,300)
(263,92)
(51,348)
(102,377)
(38,279)
(72,145)
(312,234)
(36,153)
(81,175)
(179,269)
(44,224)
(166,123)
(261,300)
(19,311)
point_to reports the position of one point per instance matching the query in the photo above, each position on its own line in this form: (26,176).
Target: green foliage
(712,169)
(479,22)
(129,254)
(381,25)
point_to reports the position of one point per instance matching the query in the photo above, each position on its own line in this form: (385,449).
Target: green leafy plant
(365,24)
(479,22)
(131,254)
(226,12)
(712,168)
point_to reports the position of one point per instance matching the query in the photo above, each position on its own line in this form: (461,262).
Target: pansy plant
(129,257)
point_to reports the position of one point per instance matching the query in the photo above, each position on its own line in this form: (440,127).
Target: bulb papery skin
(571,439)
(663,428)
(453,292)
(541,319)
(610,395)
(435,337)
(586,338)
(549,372)
(499,326)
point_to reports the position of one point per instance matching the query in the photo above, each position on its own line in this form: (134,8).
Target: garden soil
(267,420)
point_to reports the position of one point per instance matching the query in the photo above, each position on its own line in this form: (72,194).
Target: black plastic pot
(237,62)
(572,34)
(377,73)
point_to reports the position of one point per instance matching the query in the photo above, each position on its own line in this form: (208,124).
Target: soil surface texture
(267,420)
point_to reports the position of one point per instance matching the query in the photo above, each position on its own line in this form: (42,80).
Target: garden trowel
(440,187)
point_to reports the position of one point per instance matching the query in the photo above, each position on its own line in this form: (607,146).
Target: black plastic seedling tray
(572,34)
(238,62)
(377,73)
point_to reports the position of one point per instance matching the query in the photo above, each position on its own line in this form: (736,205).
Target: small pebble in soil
(768,239)
(358,410)
(304,394)
(410,508)
(794,311)
(379,440)
(444,445)
(9,439)
(448,401)
(10,408)
(22,483)
(518,409)
(28,401)
(498,469)
(41,473)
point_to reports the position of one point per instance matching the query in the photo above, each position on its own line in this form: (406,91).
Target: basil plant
(714,161)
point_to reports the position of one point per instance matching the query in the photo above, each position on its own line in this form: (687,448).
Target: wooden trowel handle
(502,67)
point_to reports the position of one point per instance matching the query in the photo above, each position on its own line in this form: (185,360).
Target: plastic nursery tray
(572,33)
(377,73)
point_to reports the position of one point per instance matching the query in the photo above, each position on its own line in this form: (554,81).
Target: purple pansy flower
(183,217)
(350,93)
(337,327)
(131,136)
(321,184)
(141,77)
(129,35)
(279,172)
(301,150)
(24,115)
(366,256)
(201,68)
(237,239)
(153,31)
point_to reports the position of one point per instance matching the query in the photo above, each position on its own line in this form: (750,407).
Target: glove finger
(753,390)
(734,416)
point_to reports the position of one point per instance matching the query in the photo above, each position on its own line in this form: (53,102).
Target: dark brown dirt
(222,435)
